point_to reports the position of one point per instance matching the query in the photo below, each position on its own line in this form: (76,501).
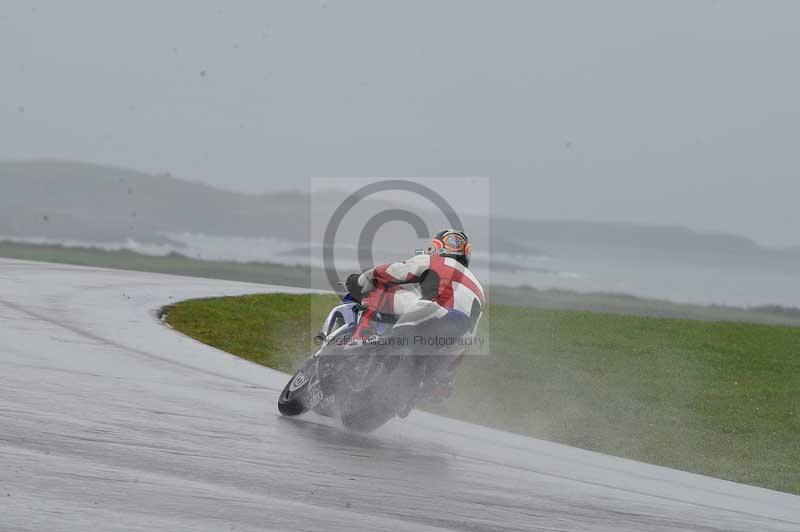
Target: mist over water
(674,282)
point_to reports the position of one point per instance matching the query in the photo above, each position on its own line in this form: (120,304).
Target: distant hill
(661,244)
(64,200)
(60,199)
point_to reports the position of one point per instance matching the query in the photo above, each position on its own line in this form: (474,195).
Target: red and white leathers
(421,288)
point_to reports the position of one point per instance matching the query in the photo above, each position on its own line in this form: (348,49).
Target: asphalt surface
(109,420)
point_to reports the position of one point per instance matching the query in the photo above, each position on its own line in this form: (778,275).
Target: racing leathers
(436,299)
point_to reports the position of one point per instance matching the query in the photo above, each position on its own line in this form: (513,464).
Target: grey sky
(659,112)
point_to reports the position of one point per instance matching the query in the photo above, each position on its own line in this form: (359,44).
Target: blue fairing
(454,315)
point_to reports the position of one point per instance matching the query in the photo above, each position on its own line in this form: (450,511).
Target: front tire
(292,401)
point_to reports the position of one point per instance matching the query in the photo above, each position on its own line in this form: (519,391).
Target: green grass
(716,398)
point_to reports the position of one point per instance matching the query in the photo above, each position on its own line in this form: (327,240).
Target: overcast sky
(681,113)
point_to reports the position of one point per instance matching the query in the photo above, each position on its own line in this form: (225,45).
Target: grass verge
(715,398)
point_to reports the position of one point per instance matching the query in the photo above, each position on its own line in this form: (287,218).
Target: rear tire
(369,417)
(366,410)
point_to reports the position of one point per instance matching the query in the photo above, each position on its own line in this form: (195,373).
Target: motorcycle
(364,383)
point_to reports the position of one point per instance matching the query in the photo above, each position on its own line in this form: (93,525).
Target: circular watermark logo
(371,227)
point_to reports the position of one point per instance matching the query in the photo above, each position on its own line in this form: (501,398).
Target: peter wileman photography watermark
(412,341)
(360,223)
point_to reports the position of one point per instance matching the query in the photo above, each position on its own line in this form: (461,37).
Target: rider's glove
(353,288)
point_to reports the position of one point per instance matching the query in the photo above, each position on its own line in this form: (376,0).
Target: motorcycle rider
(434,293)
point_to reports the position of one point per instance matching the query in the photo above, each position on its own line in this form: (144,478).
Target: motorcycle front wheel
(293,398)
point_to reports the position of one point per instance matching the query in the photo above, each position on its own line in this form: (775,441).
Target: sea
(679,283)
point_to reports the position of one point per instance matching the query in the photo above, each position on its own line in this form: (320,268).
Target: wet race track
(110,420)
